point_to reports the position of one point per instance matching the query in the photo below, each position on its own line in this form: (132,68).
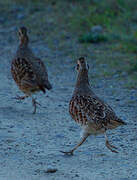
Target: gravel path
(30,144)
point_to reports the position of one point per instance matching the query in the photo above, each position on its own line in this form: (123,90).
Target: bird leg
(79,144)
(21,97)
(110,146)
(34,103)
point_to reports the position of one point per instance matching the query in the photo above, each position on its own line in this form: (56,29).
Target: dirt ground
(30,144)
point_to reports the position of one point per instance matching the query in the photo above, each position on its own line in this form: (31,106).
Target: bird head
(23,37)
(82,64)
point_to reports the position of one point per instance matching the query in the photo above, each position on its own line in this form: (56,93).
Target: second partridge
(28,71)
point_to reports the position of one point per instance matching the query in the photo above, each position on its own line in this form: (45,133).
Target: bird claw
(114,151)
(70,153)
(20,97)
(111,147)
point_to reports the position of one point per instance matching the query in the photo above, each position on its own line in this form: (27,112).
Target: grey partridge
(94,115)
(28,71)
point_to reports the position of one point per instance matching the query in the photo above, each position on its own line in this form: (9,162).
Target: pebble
(20,16)
(51,170)
(97,29)
(2,19)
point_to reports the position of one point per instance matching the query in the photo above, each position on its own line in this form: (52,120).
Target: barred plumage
(93,114)
(24,76)
(28,71)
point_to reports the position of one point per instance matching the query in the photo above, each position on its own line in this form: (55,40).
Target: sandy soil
(30,144)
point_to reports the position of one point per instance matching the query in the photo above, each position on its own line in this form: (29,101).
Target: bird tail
(48,85)
(42,89)
(121,122)
(115,123)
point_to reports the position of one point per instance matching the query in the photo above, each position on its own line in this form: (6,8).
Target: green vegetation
(118,17)
(92,38)
(66,26)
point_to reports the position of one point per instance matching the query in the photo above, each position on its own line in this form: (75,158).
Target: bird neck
(23,48)
(82,83)
(24,41)
(82,78)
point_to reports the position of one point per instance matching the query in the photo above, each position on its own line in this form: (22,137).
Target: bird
(28,71)
(89,111)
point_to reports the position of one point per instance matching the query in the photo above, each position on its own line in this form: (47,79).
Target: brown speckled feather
(41,73)
(85,108)
(24,75)
(28,71)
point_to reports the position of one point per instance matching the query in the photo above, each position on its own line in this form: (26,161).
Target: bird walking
(28,71)
(94,115)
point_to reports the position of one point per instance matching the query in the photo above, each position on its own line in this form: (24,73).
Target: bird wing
(86,108)
(23,73)
(41,73)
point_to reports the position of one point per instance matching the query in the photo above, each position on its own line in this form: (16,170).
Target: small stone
(97,29)
(37,171)
(11,126)
(10,140)
(20,16)
(116,75)
(51,170)
(2,19)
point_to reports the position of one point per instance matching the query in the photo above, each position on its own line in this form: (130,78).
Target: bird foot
(35,103)
(111,147)
(70,153)
(114,151)
(20,97)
